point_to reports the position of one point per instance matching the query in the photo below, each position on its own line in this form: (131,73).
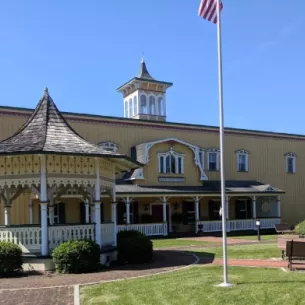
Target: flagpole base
(226,285)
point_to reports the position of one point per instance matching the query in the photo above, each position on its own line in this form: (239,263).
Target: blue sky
(84,50)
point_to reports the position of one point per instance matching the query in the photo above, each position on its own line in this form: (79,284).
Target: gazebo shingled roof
(47,131)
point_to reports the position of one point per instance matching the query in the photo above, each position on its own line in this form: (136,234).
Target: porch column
(44,207)
(7,215)
(278,206)
(164,199)
(164,209)
(87,211)
(254,206)
(92,213)
(197,217)
(31,211)
(113,216)
(51,215)
(97,203)
(128,210)
(227,206)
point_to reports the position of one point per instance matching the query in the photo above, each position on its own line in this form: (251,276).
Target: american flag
(208,10)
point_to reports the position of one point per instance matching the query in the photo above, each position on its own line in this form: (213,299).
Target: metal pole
(222,174)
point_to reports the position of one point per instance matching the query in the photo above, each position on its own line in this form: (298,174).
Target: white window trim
(176,156)
(109,146)
(210,151)
(292,156)
(242,152)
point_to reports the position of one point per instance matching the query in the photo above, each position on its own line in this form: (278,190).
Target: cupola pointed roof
(143,73)
(47,131)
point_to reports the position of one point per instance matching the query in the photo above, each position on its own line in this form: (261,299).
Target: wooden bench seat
(284,228)
(295,251)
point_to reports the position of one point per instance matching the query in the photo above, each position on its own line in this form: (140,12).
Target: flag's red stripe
(216,17)
(212,13)
(203,4)
(208,10)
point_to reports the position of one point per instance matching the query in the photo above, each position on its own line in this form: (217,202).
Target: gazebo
(48,159)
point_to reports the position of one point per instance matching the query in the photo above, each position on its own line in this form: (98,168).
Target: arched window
(135,106)
(126,109)
(143,104)
(161,106)
(171,162)
(130,108)
(152,105)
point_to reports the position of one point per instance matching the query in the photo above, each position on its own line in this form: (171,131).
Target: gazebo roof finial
(46,90)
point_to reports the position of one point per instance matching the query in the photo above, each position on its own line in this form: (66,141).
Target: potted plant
(200,229)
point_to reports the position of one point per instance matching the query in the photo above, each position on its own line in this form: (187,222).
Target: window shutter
(249,208)
(61,213)
(82,212)
(135,211)
(247,162)
(237,162)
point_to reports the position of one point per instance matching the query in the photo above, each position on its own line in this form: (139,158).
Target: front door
(214,207)
(243,209)
(157,213)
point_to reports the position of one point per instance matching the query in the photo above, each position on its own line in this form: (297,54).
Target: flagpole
(221,138)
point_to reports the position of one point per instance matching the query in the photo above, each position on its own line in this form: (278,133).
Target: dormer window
(290,163)
(242,160)
(213,159)
(109,146)
(171,163)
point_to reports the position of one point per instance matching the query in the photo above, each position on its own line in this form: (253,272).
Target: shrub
(77,256)
(127,234)
(135,249)
(10,259)
(300,228)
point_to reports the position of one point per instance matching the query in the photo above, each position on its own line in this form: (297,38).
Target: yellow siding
(266,159)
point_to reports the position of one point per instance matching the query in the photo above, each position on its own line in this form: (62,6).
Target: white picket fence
(28,238)
(239,224)
(60,234)
(151,229)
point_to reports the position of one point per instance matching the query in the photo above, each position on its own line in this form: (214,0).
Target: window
(56,214)
(152,105)
(213,159)
(290,163)
(126,109)
(135,106)
(143,104)
(161,106)
(109,146)
(171,163)
(242,160)
(130,108)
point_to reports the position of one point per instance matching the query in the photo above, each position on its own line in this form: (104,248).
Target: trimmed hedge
(300,228)
(134,247)
(127,234)
(10,259)
(77,256)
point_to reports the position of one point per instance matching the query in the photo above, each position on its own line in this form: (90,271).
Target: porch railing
(239,224)
(60,234)
(28,238)
(151,229)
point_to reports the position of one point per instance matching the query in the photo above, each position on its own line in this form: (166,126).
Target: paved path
(44,290)
(230,240)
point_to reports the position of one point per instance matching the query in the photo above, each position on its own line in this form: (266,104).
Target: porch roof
(208,187)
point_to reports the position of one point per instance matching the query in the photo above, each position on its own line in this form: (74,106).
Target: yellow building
(178,186)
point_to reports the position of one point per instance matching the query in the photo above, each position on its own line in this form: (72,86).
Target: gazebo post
(7,214)
(97,203)
(44,207)
(114,216)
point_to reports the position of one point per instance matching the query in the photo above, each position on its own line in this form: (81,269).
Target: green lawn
(197,286)
(254,237)
(243,251)
(173,242)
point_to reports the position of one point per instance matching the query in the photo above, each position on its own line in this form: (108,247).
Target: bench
(282,240)
(284,228)
(295,251)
